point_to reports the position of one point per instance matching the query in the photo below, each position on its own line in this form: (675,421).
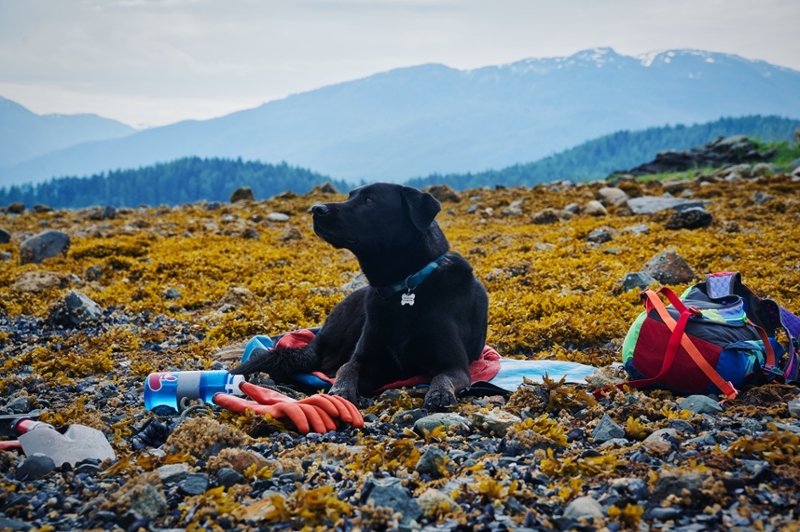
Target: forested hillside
(193,179)
(183,181)
(622,150)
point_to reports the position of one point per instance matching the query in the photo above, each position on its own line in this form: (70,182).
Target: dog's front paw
(438,400)
(345,392)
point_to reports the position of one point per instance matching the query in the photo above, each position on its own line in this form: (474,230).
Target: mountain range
(25,135)
(428,119)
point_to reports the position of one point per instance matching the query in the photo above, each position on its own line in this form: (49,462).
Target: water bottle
(164,391)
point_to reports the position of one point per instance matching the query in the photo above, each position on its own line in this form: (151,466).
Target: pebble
(446,420)
(35,467)
(607,430)
(391,494)
(433,462)
(583,507)
(228,477)
(194,484)
(172,473)
(701,404)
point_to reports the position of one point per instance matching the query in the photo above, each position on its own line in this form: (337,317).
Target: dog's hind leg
(280,363)
(444,387)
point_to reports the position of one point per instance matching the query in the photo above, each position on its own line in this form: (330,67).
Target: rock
(19,405)
(433,462)
(763,170)
(794,165)
(172,473)
(172,293)
(653,204)
(428,423)
(35,466)
(109,212)
(550,216)
(594,208)
(762,197)
(213,205)
(236,297)
(291,233)
(277,217)
(251,234)
(74,310)
(43,246)
(5,236)
(243,460)
(36,281)
(5,256)
(16,208)
(701,404)
(433,502)
(148,501)
(443,193)
(668,267)
(602,235)
(640,280)
(638,229)
(494,421)
(242,194)
(607,430)
(228,477)
(327,188)
(194,484)
(407,418)
(687,487)
(612,196)
(691,218)
(585,507)
(718,152)
(359,280)
(668,513)
(391,494)
(658,440)
(794,407)
(13,524)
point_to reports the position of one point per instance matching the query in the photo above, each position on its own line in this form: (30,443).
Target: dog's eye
(368,201)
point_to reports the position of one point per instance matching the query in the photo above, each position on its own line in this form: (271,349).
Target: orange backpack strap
(653,302)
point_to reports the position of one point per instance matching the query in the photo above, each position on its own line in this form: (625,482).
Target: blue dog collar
(411,282)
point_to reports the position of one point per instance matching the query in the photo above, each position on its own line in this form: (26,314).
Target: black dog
(423,313)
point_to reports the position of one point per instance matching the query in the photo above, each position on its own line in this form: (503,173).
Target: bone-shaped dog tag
(407,299)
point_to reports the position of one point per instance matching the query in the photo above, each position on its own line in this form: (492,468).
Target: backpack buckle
(773,371)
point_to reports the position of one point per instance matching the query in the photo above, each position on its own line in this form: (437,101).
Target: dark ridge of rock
(716,153)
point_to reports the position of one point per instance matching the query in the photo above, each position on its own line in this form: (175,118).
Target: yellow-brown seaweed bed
(553,295)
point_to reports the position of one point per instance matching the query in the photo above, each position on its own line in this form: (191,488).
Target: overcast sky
(154,62)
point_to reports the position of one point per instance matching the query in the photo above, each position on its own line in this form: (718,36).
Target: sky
(154,62)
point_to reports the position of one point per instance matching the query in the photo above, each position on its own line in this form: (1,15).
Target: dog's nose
(319,209)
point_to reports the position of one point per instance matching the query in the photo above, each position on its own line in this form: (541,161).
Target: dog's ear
(422,207)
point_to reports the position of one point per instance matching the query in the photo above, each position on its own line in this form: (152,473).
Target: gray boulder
(653,204)
(75,310)
(669,268)
(691,218)
(242,194)
(43,246)
(5,236)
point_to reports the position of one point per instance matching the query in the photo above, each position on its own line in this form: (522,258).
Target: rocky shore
(92,301)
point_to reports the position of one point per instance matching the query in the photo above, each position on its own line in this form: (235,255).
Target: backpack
(715,338)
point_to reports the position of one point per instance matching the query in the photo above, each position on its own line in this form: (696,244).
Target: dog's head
(376,217)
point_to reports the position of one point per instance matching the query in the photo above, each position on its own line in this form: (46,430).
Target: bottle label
(189,385)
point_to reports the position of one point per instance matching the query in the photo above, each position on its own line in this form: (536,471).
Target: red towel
(483,369)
